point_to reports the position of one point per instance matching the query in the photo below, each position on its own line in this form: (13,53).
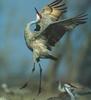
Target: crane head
(39,16)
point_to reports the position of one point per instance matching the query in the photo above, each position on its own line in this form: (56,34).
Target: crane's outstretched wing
(55,31)
(73,22)
(54,10)
(50,13)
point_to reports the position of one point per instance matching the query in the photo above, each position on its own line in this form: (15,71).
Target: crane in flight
(50,27)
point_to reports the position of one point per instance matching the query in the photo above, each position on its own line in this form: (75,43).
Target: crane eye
(37,28)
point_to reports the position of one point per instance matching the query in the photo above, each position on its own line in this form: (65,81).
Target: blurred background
(73,50)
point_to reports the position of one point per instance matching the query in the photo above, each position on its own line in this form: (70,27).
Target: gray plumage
(49,30)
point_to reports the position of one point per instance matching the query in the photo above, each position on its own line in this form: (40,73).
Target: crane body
(49,30)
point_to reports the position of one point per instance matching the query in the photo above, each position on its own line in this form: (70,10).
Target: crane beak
(38,13)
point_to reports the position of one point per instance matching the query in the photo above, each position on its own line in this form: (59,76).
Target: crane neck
(28,32)
(31,23)
(60,87)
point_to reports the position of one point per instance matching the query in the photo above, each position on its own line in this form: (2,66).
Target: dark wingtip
(58,6)
(82,15)
(55,2)
(82,18)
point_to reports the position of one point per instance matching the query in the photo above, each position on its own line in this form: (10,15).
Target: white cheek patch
(38,17)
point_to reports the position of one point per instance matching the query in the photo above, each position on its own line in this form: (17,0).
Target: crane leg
(33,69)
(39,91)
(26,84)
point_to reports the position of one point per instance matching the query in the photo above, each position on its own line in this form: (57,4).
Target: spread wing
(54,10)
(55,31)
(73,22)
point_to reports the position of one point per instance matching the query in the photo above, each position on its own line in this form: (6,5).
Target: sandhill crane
(66,88)
(74,89)
(49,29)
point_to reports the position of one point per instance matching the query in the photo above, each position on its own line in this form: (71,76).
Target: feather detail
(54,10)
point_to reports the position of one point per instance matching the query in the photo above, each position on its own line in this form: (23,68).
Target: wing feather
(54,10)
(73,22)
(55,31)
(55,3)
